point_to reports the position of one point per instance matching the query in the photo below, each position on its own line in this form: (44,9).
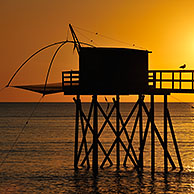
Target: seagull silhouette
(182,66)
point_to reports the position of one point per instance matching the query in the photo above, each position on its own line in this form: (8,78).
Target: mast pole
(76,41)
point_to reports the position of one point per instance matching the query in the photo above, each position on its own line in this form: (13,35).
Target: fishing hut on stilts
(119,71)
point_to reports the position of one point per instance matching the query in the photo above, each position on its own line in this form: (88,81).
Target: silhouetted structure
(119,71)
(113,70)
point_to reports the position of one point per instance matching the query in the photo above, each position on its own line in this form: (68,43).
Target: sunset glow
(163,27)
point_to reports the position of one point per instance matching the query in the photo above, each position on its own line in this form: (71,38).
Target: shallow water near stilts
(42,161)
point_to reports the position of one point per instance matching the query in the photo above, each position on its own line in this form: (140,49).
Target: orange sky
(162,26)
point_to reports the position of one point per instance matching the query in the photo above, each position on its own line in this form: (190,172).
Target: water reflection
(42,160)
(110,181)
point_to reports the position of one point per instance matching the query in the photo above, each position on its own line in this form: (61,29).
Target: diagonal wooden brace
(146,132)
(160,138)
(84,131)
(174,140)
(127,136)
(131,139)
(118,135)
(91,147)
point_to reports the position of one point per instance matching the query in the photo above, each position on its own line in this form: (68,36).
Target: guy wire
(188,104)
(21,131)
(106,37)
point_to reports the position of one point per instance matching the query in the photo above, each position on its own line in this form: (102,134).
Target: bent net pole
(34,54)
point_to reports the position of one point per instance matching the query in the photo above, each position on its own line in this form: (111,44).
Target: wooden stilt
(131,139)
(117,130)
(165,135)
(95,137)
(174,140)
(100,131)
(129,142)
(76,134)
(152,137)
(146,132)
(140,132)
(160,138)
(118,137)
(84,121)
(124,147)
(84,132)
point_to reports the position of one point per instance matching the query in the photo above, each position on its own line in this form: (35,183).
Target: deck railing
(70,78)
(171,79)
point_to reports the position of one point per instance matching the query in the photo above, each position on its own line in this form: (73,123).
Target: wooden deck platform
(159,82)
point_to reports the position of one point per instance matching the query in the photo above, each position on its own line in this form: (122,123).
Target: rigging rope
(20,132)
(47,76)
(106,37)
(188,104)
(30,58)
(50,45)
(48,72)
(86,37)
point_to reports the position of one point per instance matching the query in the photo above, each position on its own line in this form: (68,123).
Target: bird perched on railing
(182,66)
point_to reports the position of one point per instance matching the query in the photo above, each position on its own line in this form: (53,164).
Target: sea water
(37,156)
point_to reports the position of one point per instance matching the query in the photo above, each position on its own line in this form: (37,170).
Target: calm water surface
(42,159)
